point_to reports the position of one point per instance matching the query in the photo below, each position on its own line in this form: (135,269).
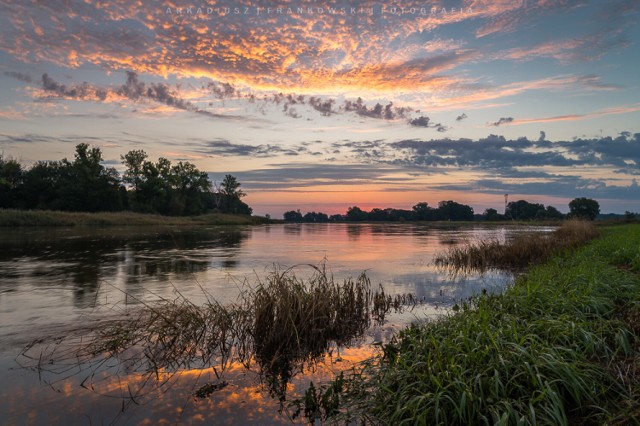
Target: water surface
(55,280)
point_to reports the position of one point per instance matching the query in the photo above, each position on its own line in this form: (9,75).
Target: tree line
(583,208)
(85,184)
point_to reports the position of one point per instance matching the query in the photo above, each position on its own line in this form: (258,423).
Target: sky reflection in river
(54,279)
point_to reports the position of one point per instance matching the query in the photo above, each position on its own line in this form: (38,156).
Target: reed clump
(300,319)
(283,324)
(518,253)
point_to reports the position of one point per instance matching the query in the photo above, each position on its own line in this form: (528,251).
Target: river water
(55,281)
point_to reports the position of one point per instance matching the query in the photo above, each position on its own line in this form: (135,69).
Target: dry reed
(520,252)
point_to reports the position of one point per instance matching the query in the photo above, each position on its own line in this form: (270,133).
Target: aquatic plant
(518,253)
(283,323)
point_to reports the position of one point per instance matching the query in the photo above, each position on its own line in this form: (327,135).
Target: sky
(322,105)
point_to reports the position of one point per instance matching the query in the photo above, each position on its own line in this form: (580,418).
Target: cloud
(497,153)
(461,117)
(334,50)
(133,89)
(221,147)
(290,177)
(555,186)
(330,56)
(503,120)
(25,78)
(139,91)
(83,91)
(623,109)
(421,121)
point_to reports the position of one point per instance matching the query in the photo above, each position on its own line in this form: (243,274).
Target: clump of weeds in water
(520,252)
(295,321)
(283,324)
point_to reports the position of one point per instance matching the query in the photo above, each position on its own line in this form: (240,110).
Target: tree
(378,215)
(553,213)
(41,185)
(90,184)
(293,216)
(231,195)
(450,210)
(313,217)
(356,214)
(231,187)
(11,174)
(584,208)
(134,162)
(82,185)
(524,210)
(188,188)
(491,215)
(422,211)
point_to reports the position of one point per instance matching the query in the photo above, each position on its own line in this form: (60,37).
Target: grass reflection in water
(282,325)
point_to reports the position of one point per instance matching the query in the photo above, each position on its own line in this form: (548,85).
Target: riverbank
(16,218)
(558,347)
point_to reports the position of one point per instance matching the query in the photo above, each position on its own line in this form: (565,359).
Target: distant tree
(98,187)
(629,216)
(85,184)
(337,218)
(553,213)
(400,215)
(11,175)
(356,214)
(378,215)
(313,217)
(231,194)
(293,216)
(231,187)
(422,211)
(450,210)
(41,185)
(82,185)
(176,190)
(584,208)
(491,215)
(189,187)
(524,210)
(134,162)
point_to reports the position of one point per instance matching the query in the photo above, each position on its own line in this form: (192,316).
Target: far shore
(26,218)
(49,218)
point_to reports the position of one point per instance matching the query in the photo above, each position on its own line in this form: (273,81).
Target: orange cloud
(573,117)
(295,50)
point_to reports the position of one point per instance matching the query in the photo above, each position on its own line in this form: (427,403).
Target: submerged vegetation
(520,252)
(283,325)
(560,346)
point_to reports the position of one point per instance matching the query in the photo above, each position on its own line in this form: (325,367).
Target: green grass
(558,347)
(15,218)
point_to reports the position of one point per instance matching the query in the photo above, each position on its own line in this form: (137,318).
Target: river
(55,281)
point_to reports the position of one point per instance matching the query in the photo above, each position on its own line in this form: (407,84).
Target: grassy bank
(14,218)
(558,347)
